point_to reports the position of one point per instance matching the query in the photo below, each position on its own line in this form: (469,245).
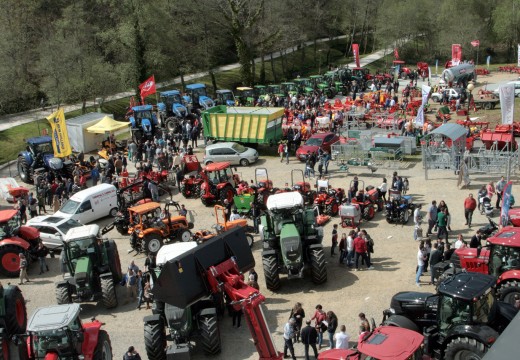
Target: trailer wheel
(10,260)
(318,266)
(508,290)
(155,339)
(210,334)
(271,272)
(15,310)
(103,350)
(63,295)
(465,349)
(108,291)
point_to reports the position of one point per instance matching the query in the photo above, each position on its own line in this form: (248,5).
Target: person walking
(470,204)
(383,189)
(420,264)
(298,314)
(281,151)
(342,248)
(435,258)
(288,335)
(131,284)
(332,325)
(140,289)
(309,336)
(334,239)
(432,217)
(442,224)
(131,354)
(319,316)
(499,188)
(342,338)
(23,269)
(360,248)
(417,220)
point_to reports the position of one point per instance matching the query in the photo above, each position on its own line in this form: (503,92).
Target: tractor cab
(260,91)
(289,88)
(143,122)
(197,97)
(10,223)
(172,104)
(84,253)
(225,97)
(245,96)
(304,85)
(315,80)
(275,90)
(56,329)
(360,74)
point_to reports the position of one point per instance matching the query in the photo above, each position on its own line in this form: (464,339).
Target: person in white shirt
(459,243)
(417,219)
(350,248)
(342,338)
(383,188)
(234,216)
(420,264)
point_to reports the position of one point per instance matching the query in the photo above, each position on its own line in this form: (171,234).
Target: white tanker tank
(463,72)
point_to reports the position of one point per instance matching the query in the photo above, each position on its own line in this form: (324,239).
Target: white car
(452,94)
(52,229)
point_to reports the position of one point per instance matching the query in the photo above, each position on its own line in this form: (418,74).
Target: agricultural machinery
(190,185)
(275,90)
(368,200)
(264,186)
(362,76)
(302,187)
(218,183)
(500,258)
(172,110)
(39,155)
(350,215)
(291,240)
(92,268)
(150,228)
(399,208)
(304,86)
(328,199)
(289,88)
(225,97)
(56,332)
(461,321)
(13,320)
(245,96)
(143,121)
(462,73)
(225,225)
(190,285)
(197,97)
(260,91)
(15,239)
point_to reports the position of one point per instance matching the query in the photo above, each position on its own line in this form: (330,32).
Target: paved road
(9,121)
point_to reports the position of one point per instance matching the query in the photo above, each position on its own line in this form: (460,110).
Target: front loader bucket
(182,280)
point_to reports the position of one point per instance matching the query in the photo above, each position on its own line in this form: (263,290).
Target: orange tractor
(150,227)
(218,183)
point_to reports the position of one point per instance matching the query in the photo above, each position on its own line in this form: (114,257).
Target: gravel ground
(346,293)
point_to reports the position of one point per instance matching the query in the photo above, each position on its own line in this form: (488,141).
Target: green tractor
(245,96)
(289,88)
(92,268)
(292,243)
(275,90)
(304,86)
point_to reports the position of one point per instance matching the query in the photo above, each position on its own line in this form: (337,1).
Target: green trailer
(251,125)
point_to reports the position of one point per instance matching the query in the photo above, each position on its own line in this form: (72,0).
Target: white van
(90,204)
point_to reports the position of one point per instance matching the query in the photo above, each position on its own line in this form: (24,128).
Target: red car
(316,141)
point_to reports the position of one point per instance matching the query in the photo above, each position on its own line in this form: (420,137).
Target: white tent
(80,139)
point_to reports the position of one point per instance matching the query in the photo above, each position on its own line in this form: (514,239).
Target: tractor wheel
(137,135)
(103,350)
(205,201)
(63,295)
(155,339)
(465,349)
(227,193)
(508,290)
(68,169)
(368,212)
(318,267)
(210,335)
(327,210)
(250,240)
(244,162)
(271,272)
(114,261)
(15,311)
(406,216)
(171,124)
(389,220)
(184,235)
(183,190)
(4,349)
(108,291)
(10,260)
(152,243)
(24,170)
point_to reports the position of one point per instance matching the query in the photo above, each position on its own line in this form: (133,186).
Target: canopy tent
(107,124)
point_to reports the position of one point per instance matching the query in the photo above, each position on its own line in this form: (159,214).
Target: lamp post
(470,89)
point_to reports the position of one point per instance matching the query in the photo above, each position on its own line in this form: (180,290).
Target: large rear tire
(508,291)
(24,170)
(406,216)
(183,190)
(103,350)
(114,261)
(205,200)
(271,272)
(318,266)
(63,295)
(15,310)
(108,291)
(465,349)
(152,243)
(155,339)
(171,124)
(10,260)
(210,335)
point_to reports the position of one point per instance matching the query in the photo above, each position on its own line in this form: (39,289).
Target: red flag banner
(475,43)
(147,87)
(396,54)
(456,54)
(355,51)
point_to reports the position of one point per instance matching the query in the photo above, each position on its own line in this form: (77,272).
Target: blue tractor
(172,110)
(197,97)
(144,123)
(39,155)
(225,97)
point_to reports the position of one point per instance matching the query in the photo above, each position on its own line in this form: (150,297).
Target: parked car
(515,83)
(52,229)
(232,152)
(316,141)
(453,94)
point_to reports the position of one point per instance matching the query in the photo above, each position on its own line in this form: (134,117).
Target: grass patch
(12,141)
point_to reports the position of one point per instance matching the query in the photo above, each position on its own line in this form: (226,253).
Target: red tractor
(500,257)
(423,70)
(264,186)
(15,239)
(56,332)
(218,183)
(368,199)
(328,199)
(303,187)
(190,185)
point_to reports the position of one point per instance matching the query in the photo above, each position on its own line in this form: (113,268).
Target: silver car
(52,229)
(232,152)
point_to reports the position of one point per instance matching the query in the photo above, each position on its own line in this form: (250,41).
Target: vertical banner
(507,102)
(456,54)
(59,134)
(506,204)
(488,60)
(518,64)
(355,52)
(419,119)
